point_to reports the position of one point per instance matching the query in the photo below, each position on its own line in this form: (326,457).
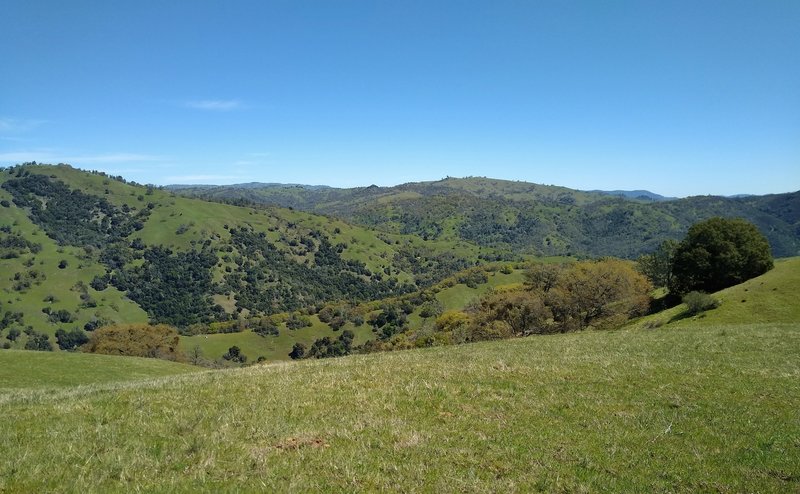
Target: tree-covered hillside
(525,217)
(81,250)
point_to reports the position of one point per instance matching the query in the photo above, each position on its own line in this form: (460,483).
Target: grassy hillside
(695,405)
(34,370)
(235,262)
(771,297)
(452,296)
(271,348)
(687,409)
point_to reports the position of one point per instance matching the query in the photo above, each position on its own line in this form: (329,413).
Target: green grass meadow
(272,348)
(702,404)
(24,370)
(695,408)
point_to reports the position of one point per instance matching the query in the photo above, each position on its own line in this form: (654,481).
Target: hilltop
(692,405)
(522,217)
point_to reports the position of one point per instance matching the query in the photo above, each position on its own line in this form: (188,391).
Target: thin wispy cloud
(113,158)
(215,104)
(13,125)
(49,156)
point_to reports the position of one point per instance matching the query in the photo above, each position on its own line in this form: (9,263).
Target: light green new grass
(680,410)
(771,297)
(213,346)
(111,303)
(25,370)
(458,296)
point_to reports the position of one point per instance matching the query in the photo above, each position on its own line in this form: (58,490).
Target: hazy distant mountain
(642,195)
(249,185)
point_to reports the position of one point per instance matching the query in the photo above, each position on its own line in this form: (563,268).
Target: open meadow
(698,404)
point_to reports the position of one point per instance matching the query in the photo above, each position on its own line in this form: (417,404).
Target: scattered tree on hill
(599,294)
(70,340)
(61,315)
(718,253)
(38,341)
(234,354)
(657,266)
(136,340)
(298,351)
(327,347)
(389,321)
(196,356)
(431,308)
(297,321)
(13,334)
(265,326)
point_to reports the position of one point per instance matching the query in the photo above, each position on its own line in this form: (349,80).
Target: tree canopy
(718,253)
(136,340)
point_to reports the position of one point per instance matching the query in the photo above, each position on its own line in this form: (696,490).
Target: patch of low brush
(698,302)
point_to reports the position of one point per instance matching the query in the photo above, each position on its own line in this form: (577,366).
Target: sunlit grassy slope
(691,406)
(773,297)
(213,346)
(278,347)
(26,370)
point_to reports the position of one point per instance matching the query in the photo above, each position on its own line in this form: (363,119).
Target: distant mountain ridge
(248,185)
(635,194)
(627,194)
(521,217)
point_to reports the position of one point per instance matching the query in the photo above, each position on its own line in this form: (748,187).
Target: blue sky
(681,98)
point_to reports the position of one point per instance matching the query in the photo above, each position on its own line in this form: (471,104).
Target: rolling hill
(698,404)
(80,249)
(83,249)
(526,217)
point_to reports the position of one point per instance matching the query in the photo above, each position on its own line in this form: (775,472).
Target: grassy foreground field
(21,370)
(686,408)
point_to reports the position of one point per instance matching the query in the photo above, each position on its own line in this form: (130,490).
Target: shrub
(298,351)
(697,302)
(70,340)
(137,340)
(297,321)
(13,334)
(39,342)
(235,354)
